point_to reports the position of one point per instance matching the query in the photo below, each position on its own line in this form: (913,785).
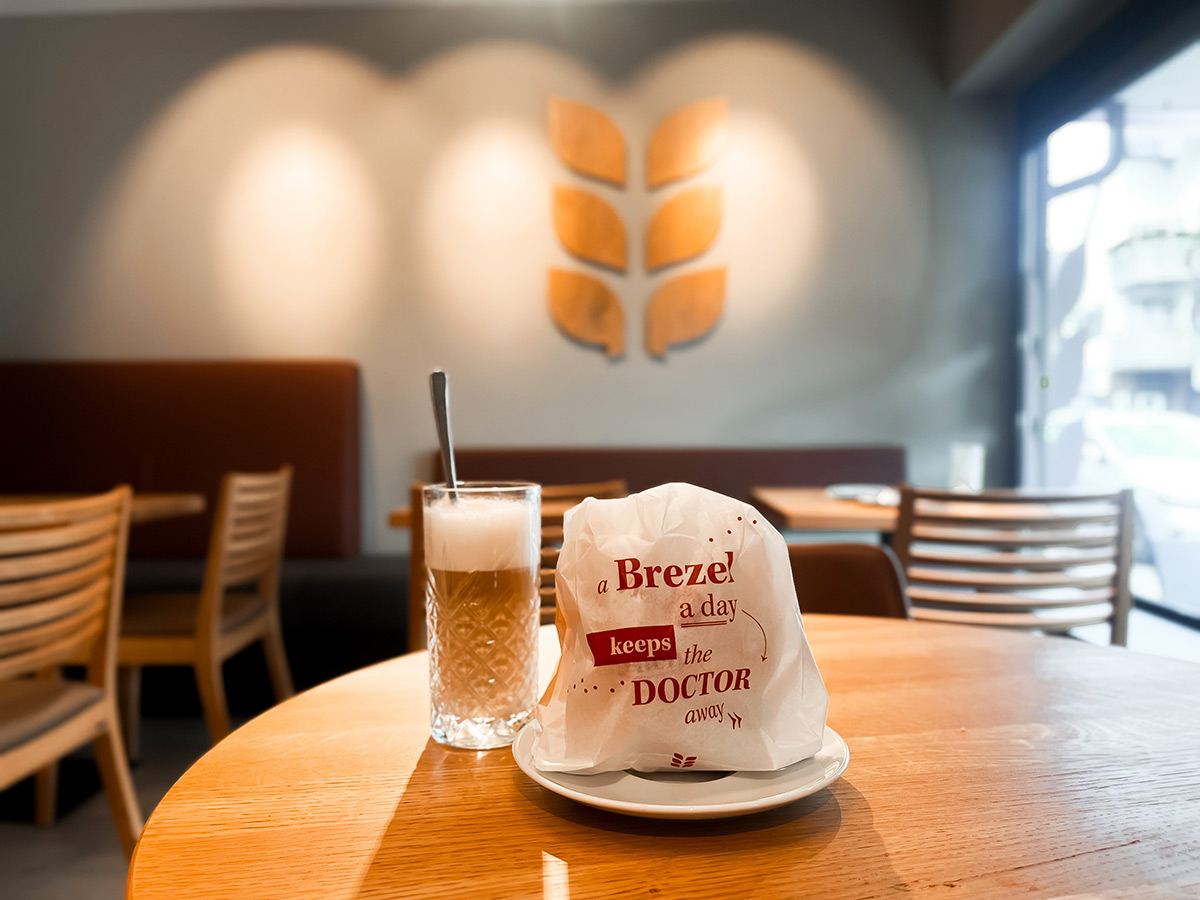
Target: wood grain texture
(683,227)
(589,227)
(684,308)
(586,309)
(586,140)
(45,549)
(245,551)
(687,141)
(982,763)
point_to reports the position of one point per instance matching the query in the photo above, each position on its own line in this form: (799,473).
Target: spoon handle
(440,390)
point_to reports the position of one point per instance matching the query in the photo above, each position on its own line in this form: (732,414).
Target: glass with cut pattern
(482,544)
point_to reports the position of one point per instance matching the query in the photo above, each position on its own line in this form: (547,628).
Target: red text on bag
(626,645)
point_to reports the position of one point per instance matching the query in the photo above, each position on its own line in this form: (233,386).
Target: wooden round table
(982,764)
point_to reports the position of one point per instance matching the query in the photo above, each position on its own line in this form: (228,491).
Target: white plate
(690,795)
(879,494)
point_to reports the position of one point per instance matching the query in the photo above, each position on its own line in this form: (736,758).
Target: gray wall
(374,184)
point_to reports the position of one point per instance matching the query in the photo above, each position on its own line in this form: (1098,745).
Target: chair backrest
(62,573)
(562,497)
(848,579)
(1042,561)
(246,547)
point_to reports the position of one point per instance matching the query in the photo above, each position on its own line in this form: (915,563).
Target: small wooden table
(812,509)
(982,763)
(153,507)
(148,507)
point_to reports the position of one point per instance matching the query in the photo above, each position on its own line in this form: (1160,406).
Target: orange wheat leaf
(587,309)
(684,308)
(589,227)
(587,140)
(687,141)
(683,226)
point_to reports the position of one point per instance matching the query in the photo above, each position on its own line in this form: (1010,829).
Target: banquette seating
(170,426)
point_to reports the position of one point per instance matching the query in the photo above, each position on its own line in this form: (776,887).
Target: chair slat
(255,504)
(255,547)
(34,565)
(1023,496)
(43,588)
(1021,621)
(1007,537)
(31,614)
(19,542)
(1030,521)
(992,600)
(54,512)
(244,573)
(71,648)
(258,481)
(1012,560)
(985,580)
(13,642)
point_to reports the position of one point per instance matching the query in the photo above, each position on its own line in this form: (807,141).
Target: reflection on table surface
(979,758)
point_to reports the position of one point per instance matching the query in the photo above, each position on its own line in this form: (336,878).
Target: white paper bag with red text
(682,645)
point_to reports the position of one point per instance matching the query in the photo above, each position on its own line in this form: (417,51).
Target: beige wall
(375,185)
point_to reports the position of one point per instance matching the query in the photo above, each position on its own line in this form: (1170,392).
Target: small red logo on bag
(682,762)
(625,645)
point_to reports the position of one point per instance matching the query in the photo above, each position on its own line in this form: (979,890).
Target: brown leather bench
(177,426)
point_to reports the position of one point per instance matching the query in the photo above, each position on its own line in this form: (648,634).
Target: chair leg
(45,795)
(45,781)
(212,698)
(129,689)
(277,664)
(118,785)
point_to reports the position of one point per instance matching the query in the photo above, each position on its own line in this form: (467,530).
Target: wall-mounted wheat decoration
(582,305)
(685,307)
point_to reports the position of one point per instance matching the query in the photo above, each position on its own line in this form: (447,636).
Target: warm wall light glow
(298,238)
(772,212)
(826,192)
(485,232)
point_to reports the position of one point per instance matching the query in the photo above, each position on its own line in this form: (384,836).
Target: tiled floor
(80,856)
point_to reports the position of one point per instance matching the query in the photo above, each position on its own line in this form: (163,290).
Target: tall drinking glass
(482,545)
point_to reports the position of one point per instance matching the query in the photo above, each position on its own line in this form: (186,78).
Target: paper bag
(682,645)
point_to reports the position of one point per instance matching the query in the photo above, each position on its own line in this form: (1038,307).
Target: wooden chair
(62,570)
(1044,562)
(238,604)
(848,579)
(556,499)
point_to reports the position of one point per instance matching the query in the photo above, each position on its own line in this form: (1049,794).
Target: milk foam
(480,534)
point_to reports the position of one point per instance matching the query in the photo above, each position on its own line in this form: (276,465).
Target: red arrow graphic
(764,633)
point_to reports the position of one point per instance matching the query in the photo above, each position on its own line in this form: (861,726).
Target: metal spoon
(440,390)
